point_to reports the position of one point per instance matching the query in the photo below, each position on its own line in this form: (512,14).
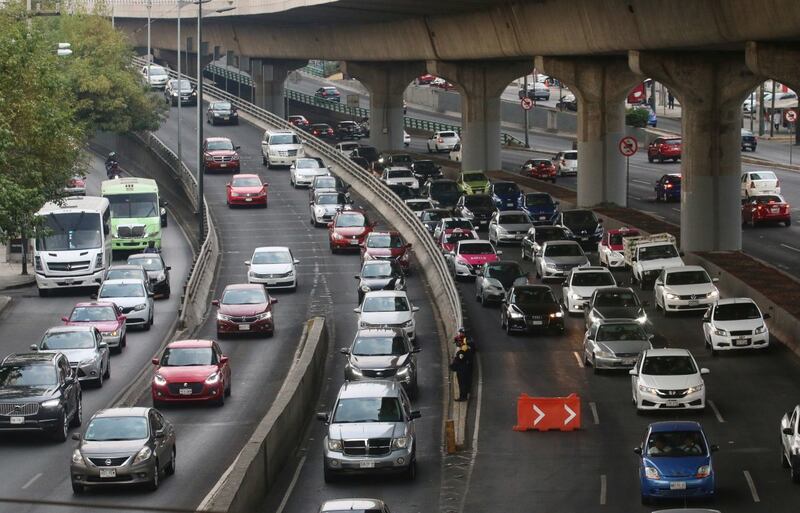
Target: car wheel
(77,489)
(229,389)
(329,475)
(59,434)
(44,292)
(411,473)
(154,482)
(77,419)
(594,365)
(123,342)
(794,473)
(784,461)
(271,333)
(170,470)
(788,222)
(264,161)
(509,331)
(220,402)
(99,381)
(148,324)
(660,160)
(107,374)
(484,303)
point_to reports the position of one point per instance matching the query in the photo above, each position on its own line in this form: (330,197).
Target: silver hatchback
(382,354)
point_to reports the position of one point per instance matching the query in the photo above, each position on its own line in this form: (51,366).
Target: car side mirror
(658,282)
(704,371)
(247,263)
(295,261)
(357,310)
(637,450)
(65,319)
(150,294)
(787,431)
(323,416)
(103,345)
(223,360)
(76,437)
(93,296)
(34,347)
(344,351)
(715,280)
(123,318)
(408,246)
(714,447)
(69,380)
(273,301)
(767,316)
(215,302)
(633,372)
(330,225)
(237,147)
(415,414)
(499,253)
(357,277)
(155,361)
(415,309)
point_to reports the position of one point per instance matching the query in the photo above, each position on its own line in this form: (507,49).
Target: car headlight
(672,296)
(212,379)
(549,265)
(575,297)
(703,471)
(140,307)
(604,354)
(194,93)
(500,229)
(111,333)
(235,194)
(337,236)
(159,380)
(223,317)
(651,473)
(77,457)
(363,324)
(694,389)
(52,403)
(408,323)
(365,288)
(514,314)
(263,316)
(143,455)
(404,371)
(761,329)
(399,285)
(320,211)
(84,363)
(335,445)
(642,318)
(555,315)
(714,293)
(720,332)
(648,390)
(400,442)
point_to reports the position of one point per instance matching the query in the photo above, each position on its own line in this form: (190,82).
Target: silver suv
(370,429)
(382,354)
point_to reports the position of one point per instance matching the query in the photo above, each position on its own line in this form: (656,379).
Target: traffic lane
(38,469)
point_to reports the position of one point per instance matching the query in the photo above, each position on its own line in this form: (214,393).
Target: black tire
(595,370)
(107,374)
(123,342)
(784,461)
(328,475)
(153,484)
(60,432)
(411,473)
(170,470)
(794,472)
(220,402)
(229,389)
(44,292)
(98,382)
(788,223)
(148,324)
(77,489)
(650,159)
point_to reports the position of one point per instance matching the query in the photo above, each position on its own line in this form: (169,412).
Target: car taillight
(668,186)
(440,140)
(324,93)
(330,131)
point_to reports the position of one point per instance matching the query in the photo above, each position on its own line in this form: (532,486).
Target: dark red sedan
(348,229)
(765,209)
(663,148)
(322,130)
(103,315)
(300,122)
(219,154)
(387,246)
(246,190)
(191,370)
(543,169)
(244,308)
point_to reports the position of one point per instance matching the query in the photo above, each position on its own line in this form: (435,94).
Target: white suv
(668,379)
(684,288)
(444,140)
(735,323)
(280,148)
(566,162)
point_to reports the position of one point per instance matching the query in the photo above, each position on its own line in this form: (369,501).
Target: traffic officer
(462,366)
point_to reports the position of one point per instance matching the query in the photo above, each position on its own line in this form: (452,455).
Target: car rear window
(763,175)
(768,199)
(672,141)
(447,134)
(571,155)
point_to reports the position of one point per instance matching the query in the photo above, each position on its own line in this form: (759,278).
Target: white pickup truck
(648,255)
(790,443)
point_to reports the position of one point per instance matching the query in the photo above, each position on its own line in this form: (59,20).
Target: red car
(247,190)
(103,315)
(348,229)
(219,154)
(191,370)
(449,238)
(245,308)
(543,169)
(766,208)
(300,122)
(387,246)
(323,131)
(425,79)
(664,148)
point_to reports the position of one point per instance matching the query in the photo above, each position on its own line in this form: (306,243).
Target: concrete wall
(280,431)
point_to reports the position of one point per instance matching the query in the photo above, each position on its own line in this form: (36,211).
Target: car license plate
(223,165)
(741,342)
(542,218)
(774,210)
(244,327)
(537,323)
(693,302)
(509,204)
(672,403)
(677,485)
(185,391)
(106,473)
(17,420)
(366,464)
(226,118)
(584,238)
(354,242)
(248,199)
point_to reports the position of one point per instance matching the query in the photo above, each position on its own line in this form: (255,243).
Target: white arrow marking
(570,413)
(538,412)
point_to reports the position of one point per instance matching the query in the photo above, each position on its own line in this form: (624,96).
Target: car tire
(595,370)
(328,475)
(77,489)
(784,462)
(170,470)
(220,402)
(148,324)
(794,474)
(509,331)
(44,292)
(107,374)
(787,223)
(229,389)
(77,419)
(271,333)
(123,342)
(153,484)
(60,432)
(411,473)
(264,161)
(99,381)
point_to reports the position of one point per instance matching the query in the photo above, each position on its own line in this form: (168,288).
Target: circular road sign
(628,146)
(790,116)
(526,103)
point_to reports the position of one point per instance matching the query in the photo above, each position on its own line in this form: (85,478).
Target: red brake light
(668,186)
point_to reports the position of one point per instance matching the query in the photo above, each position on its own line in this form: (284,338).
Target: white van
(280,148)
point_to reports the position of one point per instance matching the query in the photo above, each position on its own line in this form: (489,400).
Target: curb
(4,302)
(21,284)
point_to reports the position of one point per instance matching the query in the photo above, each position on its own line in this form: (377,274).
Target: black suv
(39,392)
(425,170)
(386,160)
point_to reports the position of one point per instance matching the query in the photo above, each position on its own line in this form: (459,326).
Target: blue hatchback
(505,195)
(675,462)
(540,206)
(668,187)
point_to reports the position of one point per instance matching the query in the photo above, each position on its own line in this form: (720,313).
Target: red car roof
(190,343)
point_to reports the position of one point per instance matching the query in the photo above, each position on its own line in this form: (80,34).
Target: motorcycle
(113,170)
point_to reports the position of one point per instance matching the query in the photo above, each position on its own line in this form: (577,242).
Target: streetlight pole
(178,47)
(525,111)
(200,154)
(149,6)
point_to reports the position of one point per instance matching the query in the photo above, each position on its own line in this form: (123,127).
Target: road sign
(526,103)
(628,146)
(548,413)
(790,115)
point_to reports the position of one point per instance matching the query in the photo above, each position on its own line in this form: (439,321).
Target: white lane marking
(676,209)
(475,431)
(790,247)
(31,480)
(717,414)
(289,490)
(634,180)
(578,358)
(602,488)
(752,486)
(595,416)
(637,198)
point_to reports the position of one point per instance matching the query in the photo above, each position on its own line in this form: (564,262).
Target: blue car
(675,462)
(540,206)
(505,195)
(668,187)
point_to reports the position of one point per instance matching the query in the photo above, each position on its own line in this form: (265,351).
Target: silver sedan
(83,346)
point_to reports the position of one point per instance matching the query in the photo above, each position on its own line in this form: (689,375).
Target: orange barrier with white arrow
(548,413)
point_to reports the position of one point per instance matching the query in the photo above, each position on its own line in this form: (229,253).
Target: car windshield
(368,409)
(475,177)
(350,221)
(764,200)
(246,181)
(676,444)
(504,272)
(121,290)
(562,250)
(455,236)
(284,139)
(400,173)
(458,224)
(150,263)
(219,145)
(763,175)
(385,304)
(621,299)
(379,346)
(580,218)
(598,279)
(545,234)
(417,206)
(476,249)
(736,311)
(249,296)
(687,278)
(538,200)
(24,375)
(183,85)
(615,239)
(656,252)
(384,241)
(188,356)
(325,182)
(506,188)
(676,365)
(272,257)
(514,219)
(377,270)
(68,340)
(424,166)
(157,71)
(401,159)
(434,215)
(93,314)
(331,199)
(69,231)
(613,332)
(125,274)
(134,205)
(306,164)
(533,295)
(112,429)
(478,201)
(444,188)
(221,106)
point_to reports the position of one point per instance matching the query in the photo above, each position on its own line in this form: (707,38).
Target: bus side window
(107,222)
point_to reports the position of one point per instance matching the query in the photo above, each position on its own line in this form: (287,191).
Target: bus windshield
(126,206)
(70,231)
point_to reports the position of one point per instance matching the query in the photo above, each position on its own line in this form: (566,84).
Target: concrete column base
(269,77)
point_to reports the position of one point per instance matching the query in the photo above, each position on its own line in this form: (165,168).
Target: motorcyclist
(112,165)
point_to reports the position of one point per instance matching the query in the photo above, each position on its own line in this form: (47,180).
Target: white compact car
(155,76)
(444,140)
(387,309)
(274,267)
(685,288)
(280,148)
(759,183)
(132,298)
(508,226)
(400,176)
(566,162)
(580,284)
(735,323)
(668,379)
(303,171)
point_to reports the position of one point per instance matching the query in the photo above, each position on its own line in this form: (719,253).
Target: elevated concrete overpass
(599,48)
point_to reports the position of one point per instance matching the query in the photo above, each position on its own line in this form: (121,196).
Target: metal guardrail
(429,126)
(342,108)
(212,70)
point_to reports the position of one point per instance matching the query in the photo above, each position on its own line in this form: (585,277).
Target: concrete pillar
(711,87)
(780,61)
(480,83)
(269,76)
(600,85)
(386,81)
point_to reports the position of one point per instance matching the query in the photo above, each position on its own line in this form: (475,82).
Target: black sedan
(529,308)
(430,217)
(222,112)
(183,91)
(749,141)
(379,275)
(403,191)
(617,303)
(157,272)
(348,131)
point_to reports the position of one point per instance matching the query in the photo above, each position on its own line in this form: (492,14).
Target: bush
(637,117)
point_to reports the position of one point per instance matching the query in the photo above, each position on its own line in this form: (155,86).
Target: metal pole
(180,154)
(149,5)
(772,112)
(792,128)
(761,109)
(752,109)
(525,111)
(627,180)
(200,157)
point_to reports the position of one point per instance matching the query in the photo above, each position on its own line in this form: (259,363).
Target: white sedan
(443,140)
(580,284)
(400,176)
(387,309)
(274,267)
(304,170)
(684,288)
(735,323)
(668,379)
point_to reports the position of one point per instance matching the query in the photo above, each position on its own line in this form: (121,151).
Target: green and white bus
(135,212)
